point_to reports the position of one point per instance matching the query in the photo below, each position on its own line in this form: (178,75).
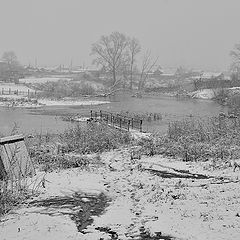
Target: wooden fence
(117,120)
(17,92)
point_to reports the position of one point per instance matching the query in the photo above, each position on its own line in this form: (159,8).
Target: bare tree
(147,65)
(235,53)
(134,49)
(111,53)
(10,58)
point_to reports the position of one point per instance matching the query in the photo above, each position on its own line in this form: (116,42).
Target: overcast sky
(191,33)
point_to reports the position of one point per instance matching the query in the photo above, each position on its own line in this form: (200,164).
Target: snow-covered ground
(43,79)
(70,102)
(203,94)
(154,196)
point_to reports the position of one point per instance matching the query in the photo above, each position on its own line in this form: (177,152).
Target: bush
(198,140)
(63,89)
(93,138)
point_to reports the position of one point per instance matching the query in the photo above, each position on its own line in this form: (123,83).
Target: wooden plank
(14,138)
(15,159)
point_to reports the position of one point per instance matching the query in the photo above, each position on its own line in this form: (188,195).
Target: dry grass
(216,139)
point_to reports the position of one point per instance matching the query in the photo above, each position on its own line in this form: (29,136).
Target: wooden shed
(15,162)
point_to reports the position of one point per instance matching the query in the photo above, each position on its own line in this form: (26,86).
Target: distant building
(209,76)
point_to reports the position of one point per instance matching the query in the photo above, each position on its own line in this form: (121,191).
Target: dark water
(47,119)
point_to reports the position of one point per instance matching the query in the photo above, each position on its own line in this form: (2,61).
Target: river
(47,119)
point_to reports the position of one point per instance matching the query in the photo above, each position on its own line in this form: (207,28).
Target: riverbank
(27,102)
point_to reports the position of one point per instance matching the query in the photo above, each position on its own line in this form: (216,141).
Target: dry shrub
(198,140)
(93,138)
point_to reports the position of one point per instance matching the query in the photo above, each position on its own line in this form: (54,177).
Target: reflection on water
(47,119)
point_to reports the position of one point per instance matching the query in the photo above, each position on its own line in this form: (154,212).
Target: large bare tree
(148,63)
(111,53)
(134,49)
(235,54)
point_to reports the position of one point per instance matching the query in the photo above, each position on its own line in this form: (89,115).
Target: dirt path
(154,198)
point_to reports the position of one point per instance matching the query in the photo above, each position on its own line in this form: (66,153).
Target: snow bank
(203,94)
(70,102)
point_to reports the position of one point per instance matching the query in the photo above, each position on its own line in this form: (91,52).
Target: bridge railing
(117,120)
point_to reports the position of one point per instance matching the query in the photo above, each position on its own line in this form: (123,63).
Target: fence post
(17,91)
(95,115)
(120,122)
(91,114)
(129,122)
(141,125)
(132,123)
(101,114)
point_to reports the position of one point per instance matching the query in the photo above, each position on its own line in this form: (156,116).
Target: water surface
(47,119)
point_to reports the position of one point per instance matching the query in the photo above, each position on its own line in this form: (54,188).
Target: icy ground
(151,198)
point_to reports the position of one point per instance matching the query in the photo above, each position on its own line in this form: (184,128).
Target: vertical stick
(140,125)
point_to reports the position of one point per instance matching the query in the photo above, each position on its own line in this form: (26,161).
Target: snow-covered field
(47,102)
(14,87)
(43,79)
(155,198)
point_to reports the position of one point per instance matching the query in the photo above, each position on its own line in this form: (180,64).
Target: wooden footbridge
(117,120)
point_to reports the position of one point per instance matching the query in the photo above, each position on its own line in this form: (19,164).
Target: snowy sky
(192,33)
